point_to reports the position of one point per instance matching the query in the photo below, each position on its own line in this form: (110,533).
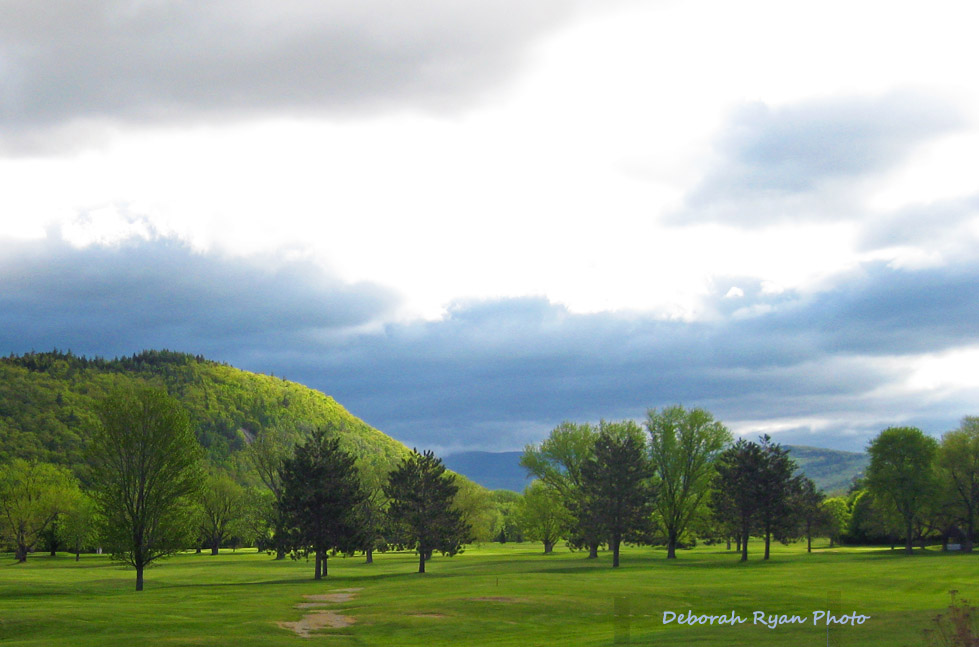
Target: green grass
(489,595)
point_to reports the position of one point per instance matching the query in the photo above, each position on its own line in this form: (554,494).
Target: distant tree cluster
(687,481)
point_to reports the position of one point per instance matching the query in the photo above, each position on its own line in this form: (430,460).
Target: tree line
(151,495)
(681,478)
(677,479)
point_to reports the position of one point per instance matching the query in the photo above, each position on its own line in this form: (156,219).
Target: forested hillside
(47,402)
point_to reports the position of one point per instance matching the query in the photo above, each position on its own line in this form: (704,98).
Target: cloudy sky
(469,221)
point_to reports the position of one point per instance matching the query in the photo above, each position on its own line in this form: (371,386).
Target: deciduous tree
(542,516)
(222,505)
(148,476)
(901,470)
(557,462)
(683,446)
(78,523)
(31,497)
(959,458)
(267,453)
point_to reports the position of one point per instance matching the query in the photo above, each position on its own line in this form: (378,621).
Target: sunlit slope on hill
(47,404)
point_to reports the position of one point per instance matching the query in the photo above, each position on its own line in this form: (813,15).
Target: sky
(471,221)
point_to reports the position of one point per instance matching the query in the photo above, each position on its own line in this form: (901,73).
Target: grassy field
(490,595)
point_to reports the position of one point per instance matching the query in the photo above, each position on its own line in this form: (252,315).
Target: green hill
(831,469)
(47,402)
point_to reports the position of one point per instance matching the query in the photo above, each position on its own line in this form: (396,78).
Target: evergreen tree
(777,490)
(422,494)
(321,496)
(616,482)
(807,504)
(736,496)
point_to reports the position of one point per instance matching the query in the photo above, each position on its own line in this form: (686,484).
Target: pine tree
(617,483)
(321,494)
(421,494)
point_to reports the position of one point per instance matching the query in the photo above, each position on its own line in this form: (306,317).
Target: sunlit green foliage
(48,400)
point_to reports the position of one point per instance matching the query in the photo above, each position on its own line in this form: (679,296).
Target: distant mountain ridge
(832,470)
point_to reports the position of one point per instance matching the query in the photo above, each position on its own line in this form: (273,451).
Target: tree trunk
(729,542)
(421,561)
(593,551)
(907,539)
(215,544)
(370,556)
(318,569)
(139,577)
(548,547)
(20,553)
(671,545)
(768,543)
(969,529)
(744,543)
(615,552)
(280,552)
(738,539)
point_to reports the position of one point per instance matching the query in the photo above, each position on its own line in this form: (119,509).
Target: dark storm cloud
(499,374)
(174,61)
(804,161)
(154,294)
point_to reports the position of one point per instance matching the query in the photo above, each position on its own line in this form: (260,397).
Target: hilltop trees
(422,496)
(321,497)
(683,447)
(148,476)
(901,472)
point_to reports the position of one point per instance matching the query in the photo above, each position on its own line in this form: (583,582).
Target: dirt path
(322,618)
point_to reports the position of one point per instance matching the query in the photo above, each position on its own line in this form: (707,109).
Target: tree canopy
(422,494)
(901,471)
(148,473)
(321,494)
(683,447)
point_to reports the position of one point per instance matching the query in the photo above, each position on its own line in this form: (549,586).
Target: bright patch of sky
(700,162)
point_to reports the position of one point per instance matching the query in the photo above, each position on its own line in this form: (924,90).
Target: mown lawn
(490,595)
